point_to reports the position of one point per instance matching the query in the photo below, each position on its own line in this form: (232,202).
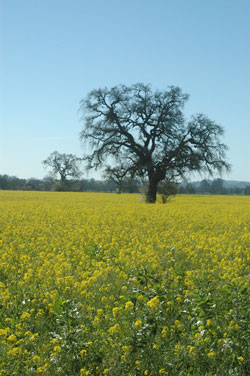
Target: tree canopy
(146,131)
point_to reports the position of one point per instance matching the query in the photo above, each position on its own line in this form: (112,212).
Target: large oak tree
(146,130)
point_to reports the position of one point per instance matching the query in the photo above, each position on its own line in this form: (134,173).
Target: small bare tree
(64,165)
(115,175)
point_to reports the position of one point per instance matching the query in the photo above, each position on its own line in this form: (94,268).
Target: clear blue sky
(53,52)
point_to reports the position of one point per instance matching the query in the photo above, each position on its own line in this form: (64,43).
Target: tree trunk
(119,188)
(152,190)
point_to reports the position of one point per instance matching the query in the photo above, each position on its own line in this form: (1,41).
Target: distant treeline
(216,186)
(50,184)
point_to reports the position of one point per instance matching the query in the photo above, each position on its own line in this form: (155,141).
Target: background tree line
(128,185)
(215,187)
(79,185)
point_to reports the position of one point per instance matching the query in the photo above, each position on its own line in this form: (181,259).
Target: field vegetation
(103,284)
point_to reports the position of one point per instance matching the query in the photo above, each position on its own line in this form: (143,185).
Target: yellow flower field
(104,284)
